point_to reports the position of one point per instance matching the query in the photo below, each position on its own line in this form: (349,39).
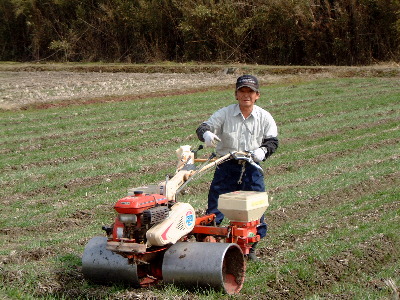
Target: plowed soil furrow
(368,257)
(275,218)
(91,181)
(325,228)
(318,159)
(358,95)
(333,183)
(343,129)
(133,130)
(98,154)
(332,199)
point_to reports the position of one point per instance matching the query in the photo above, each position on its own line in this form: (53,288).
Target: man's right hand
(210,139)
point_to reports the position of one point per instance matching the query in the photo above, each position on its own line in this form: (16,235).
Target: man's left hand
(258,155)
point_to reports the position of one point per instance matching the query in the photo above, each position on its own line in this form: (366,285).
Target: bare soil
(43,86)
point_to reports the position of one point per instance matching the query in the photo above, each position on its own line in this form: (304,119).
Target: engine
(149,220)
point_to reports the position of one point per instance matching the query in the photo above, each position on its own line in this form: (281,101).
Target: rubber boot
(252,254)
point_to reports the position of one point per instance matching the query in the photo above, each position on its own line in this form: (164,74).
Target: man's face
(246,96)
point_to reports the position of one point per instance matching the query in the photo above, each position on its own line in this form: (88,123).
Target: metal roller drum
(217,265)
(104,266)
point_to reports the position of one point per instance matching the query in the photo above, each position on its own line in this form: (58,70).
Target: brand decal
(189,218)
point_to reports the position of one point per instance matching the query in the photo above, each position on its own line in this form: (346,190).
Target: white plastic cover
(180,222)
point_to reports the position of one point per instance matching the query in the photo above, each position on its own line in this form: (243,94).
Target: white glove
(210,139)
(258,155)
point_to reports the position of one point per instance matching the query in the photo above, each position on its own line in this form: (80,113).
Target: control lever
(246,156)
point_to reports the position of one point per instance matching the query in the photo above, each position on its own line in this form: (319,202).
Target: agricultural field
(334,183)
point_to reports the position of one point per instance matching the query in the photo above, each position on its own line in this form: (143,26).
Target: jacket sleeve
(201,129)
(269,145)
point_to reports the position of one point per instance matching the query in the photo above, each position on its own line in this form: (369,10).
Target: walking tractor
(155,237)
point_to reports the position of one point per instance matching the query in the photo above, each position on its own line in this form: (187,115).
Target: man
(240,127)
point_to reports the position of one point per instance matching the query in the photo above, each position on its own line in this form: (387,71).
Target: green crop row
(333,185)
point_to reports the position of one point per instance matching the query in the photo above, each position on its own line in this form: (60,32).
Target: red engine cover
(138,203)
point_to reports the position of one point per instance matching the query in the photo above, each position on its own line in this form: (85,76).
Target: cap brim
(249,86)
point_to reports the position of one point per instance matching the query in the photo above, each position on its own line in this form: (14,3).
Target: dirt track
(24,88)
(20,89)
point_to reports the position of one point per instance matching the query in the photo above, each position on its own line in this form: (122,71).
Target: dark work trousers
(226,179)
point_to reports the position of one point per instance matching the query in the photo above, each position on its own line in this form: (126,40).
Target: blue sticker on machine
(189,218)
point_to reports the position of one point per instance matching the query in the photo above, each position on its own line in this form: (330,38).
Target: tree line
(278,32)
